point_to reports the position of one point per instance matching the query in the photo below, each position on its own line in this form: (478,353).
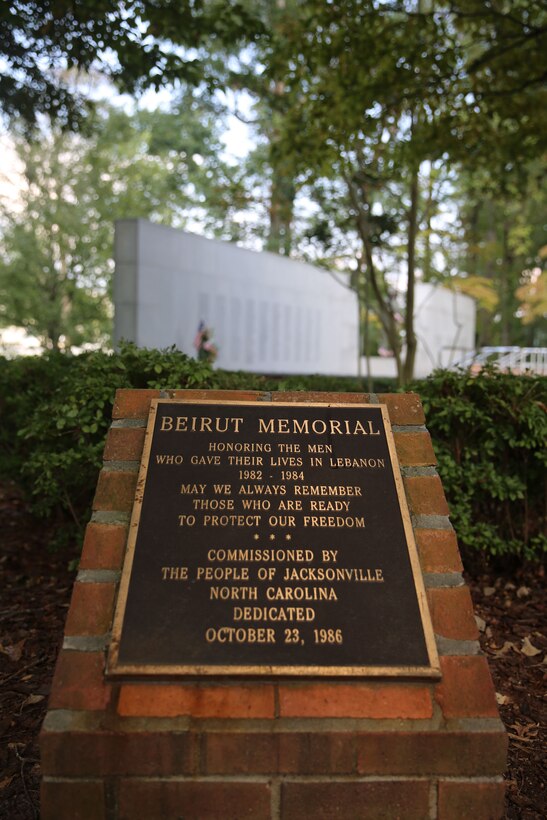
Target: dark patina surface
(271,539)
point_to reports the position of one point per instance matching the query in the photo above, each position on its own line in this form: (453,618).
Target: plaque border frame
(116,670)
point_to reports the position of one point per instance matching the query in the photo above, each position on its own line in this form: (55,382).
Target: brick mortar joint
(443,580)
(422,521)
(433,800)
(110,517)
(418,472)
(454,646)
(118,466)
(127,423)
(275,800)
(68,720)
(98,576)
(107,470)
(86,643)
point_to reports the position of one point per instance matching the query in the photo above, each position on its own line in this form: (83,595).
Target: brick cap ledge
(67,720)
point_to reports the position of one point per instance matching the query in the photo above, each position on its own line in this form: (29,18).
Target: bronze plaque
(270,539)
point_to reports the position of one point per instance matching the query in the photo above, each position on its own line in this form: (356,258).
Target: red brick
(320,397)
(81,800)
(359,700)
(240,753)
(466,688)
(285,752)
(438,550)
(403,800)
(217,395)
(104,546)
(115,491)
(110,753)
(157,800)
(166,753)
(432,753)
(78,682)
(124,444)
(425,495)
(140,399)
(481,801)
(91,609)
(414,449)
(452,613)
(133,404)
(317,753)
(170,700)
(403,408)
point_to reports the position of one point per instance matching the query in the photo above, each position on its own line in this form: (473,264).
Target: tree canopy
(56,260)
(395,138)
(138,43)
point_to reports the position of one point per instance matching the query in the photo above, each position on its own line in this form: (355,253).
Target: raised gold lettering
(174,573)
(328,489)
(273,613)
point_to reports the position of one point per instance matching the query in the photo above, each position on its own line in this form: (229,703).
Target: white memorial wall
(268,314)
(444,321)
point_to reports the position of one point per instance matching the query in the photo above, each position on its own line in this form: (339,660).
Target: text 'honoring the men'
(270,539)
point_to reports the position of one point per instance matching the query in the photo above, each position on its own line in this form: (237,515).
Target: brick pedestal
(271,750)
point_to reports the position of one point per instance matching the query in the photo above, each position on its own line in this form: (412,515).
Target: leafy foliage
(533,297)
(489,433)
(380,98)
(53,261)
(56,258)
(499,116)
(56,410)
(364,115)
(498,255)
(141,43)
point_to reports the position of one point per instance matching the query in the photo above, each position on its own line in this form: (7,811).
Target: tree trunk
(282,191)
(492,239)
(427,262)
(386,314)
(385,311)
(473,269)
(281,212)
(411,342)
(505,288)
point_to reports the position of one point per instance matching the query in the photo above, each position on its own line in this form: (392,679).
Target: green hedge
(488,431)
(56,409)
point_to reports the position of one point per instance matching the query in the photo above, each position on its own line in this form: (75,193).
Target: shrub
(489,433)
(56,410)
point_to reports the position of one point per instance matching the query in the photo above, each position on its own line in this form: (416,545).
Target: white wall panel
(269,314)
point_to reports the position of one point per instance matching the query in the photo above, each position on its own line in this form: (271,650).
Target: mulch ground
(35,589)
(510,613)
